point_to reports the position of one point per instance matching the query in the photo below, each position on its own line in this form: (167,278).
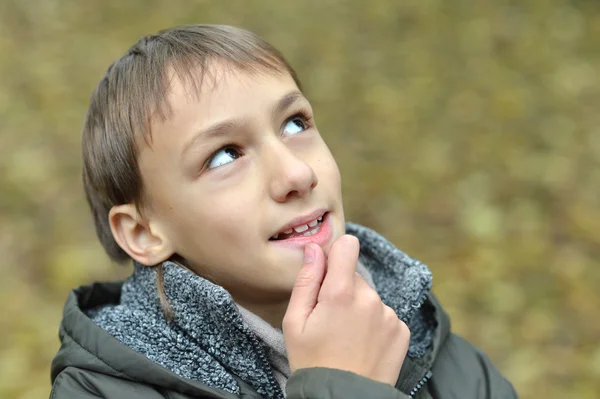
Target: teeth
(310,233)
(300,229)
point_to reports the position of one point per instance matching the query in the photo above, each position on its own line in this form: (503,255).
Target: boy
(203,165)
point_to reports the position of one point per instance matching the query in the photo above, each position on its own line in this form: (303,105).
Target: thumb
(306,288)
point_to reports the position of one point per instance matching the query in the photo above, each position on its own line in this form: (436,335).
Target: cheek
(327,170)
(212,221)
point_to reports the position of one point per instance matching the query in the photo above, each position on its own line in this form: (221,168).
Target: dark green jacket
(93,364)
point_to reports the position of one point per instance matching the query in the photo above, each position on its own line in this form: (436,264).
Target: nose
(290,175)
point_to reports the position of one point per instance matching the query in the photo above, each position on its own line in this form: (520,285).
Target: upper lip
(300,220)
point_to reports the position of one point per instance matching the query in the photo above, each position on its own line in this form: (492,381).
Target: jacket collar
(209,326)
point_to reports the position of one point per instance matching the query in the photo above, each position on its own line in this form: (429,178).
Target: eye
(224,156)
(295,125)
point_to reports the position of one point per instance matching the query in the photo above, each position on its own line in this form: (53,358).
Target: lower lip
(320,238)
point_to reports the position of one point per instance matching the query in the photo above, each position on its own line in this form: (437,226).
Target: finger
(306,288)
(360,282)
(341,267)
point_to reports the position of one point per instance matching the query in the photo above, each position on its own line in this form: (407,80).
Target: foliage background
(468,132)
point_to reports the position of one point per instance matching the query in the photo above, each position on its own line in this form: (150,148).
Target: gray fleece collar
(209,342)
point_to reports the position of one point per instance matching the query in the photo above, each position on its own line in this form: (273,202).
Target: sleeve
(75,383)
(462,370)
(67,386)
(326,383)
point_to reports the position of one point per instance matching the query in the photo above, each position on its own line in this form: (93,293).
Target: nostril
(295,180)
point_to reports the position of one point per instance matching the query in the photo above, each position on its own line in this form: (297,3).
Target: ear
(142,241)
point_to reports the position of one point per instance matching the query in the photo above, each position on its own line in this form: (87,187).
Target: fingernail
(309,254)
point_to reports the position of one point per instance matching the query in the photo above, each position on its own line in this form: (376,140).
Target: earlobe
(136,236)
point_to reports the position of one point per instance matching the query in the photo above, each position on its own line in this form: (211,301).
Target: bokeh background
(468,132)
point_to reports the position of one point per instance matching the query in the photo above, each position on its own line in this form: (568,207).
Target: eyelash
(306,117)
(307,120)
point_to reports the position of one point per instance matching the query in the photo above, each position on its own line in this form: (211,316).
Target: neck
(271,312)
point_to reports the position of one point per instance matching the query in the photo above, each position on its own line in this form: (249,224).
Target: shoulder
(461,369)
(74,382)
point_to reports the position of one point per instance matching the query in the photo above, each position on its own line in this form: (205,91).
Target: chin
(339,229)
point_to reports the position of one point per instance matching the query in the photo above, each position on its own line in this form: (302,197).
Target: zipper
(259,351)
(265,361)
(420,301)
(420,384)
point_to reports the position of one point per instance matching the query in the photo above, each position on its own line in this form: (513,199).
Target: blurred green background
(468,132)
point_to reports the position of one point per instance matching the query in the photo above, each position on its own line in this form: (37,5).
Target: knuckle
(370,298)
(304,278)
(390,314)
(404,330)
(340,294)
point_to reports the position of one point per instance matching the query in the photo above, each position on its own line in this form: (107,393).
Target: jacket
(92,363)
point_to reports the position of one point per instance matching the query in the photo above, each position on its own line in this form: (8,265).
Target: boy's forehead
(219,92)
(218,81)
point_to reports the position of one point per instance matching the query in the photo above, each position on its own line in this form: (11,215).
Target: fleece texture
(273,338)
(209,341)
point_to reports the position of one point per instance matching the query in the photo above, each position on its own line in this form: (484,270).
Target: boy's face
(233,167)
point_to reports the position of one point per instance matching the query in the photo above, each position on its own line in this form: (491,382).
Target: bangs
(188,54)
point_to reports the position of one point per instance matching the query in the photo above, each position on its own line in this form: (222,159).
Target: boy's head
(199,144)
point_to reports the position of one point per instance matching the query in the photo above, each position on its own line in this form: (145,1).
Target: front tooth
(311,232)
(313,223)
(288,232)
(300,229)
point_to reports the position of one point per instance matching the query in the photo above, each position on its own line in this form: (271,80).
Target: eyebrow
(216,130)
(285,102)
(222,128)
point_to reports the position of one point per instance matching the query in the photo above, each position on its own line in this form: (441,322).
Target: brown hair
(134,90)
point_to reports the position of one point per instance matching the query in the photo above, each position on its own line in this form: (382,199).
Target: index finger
(341,267)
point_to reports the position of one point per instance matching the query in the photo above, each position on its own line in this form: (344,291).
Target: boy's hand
(335,320)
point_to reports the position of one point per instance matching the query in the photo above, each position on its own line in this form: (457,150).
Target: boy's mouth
(302,230)
(314,228)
